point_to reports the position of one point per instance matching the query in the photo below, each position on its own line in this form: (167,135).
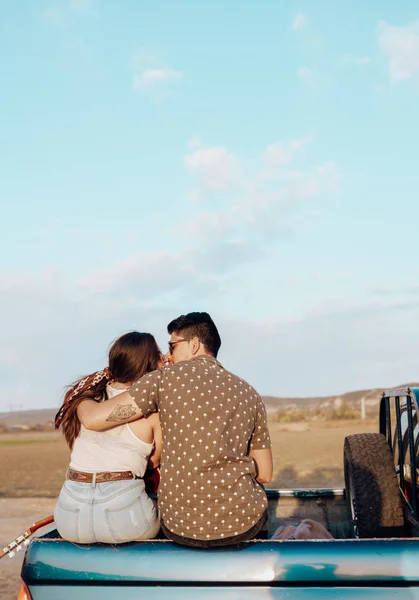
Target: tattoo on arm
(120,414)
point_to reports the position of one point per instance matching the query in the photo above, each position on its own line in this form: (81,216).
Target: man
(216,445)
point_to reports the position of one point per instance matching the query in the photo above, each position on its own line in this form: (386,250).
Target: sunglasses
(173,344)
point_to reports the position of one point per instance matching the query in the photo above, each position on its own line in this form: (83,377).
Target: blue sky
(255,160)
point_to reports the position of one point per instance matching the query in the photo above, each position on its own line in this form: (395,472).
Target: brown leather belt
(101,477)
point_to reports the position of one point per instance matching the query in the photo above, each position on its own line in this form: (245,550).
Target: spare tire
(372,489)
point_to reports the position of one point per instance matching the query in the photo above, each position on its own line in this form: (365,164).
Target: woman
(104,497)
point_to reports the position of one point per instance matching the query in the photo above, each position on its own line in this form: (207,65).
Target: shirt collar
(206,358)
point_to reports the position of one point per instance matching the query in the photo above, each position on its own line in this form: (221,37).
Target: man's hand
(104,415)
(167,359)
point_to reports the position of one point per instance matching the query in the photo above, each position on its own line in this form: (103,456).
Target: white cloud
(330,175)
(147,275)
(195,142)
(351,60)
(277,154)
(300,144)
(54,330)
(152,78)
(300,21)
(215,167)
(354,332)
(400,290)
(229,234)
(8,357)
(262,202)
(400,46)
(327,168)
(151,73)
(53,333)
(305,74)
(209,225)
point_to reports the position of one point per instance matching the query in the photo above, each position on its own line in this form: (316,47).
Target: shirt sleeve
(260,437)
(145,392)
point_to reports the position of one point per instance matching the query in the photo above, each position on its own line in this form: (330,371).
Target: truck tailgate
(276,569)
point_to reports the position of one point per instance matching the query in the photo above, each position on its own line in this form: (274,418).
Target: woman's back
(122,448)
(104,498)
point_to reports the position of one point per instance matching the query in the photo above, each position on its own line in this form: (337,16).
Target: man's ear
(196,344)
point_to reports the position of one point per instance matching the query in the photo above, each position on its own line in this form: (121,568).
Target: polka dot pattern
(210,419)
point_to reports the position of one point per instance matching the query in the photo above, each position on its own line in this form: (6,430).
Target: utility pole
(15,407)
(363,408)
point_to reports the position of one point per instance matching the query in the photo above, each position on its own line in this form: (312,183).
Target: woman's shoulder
(113,388)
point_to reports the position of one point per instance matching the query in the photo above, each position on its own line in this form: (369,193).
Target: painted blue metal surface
(297,570)
(345,562)
(225,593)
(415,391)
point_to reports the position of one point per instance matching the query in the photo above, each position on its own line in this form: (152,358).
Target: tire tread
(369,470)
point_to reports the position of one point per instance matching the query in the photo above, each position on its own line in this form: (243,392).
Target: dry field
(305,455)
(311,454)
(33,465)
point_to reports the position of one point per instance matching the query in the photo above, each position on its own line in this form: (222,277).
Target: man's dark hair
(200,325)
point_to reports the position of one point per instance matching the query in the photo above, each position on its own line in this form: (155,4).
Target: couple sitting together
(204,426)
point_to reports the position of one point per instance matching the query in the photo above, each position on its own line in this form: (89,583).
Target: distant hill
(372,397)
(28,417)
(272,403)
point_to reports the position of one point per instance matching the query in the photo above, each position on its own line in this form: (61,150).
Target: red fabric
(152,480)
(83,385)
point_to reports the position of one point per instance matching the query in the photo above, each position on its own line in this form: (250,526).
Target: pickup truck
(374,554)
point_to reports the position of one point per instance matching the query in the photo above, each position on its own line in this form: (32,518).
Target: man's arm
(264,464)
(260,445)
(103,415)
(154,458)
(139,401)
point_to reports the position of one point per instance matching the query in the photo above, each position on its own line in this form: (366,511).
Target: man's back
(210,419)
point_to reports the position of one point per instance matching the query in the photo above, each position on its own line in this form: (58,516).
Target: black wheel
(372,489)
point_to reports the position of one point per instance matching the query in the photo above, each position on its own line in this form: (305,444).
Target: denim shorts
(112,513)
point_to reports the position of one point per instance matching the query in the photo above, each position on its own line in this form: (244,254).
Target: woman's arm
(154,458)
(264,464)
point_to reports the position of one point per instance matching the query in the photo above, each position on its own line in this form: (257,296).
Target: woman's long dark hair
(130,357)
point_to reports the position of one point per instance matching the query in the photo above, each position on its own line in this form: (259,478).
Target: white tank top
(116,449)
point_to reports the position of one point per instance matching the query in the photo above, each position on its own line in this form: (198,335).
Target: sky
(255,160)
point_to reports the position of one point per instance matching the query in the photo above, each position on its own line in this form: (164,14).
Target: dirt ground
(16,515)
(33,465)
